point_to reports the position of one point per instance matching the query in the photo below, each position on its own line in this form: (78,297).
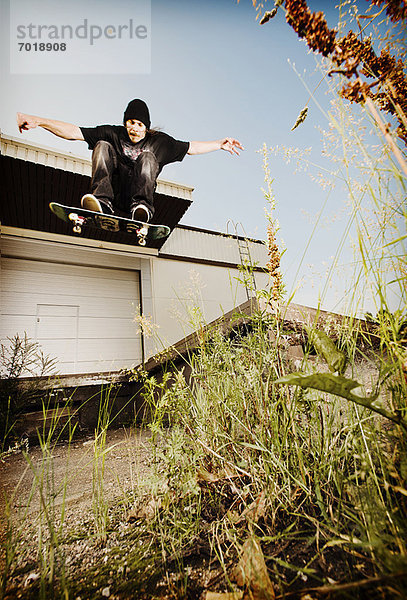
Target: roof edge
(220,233)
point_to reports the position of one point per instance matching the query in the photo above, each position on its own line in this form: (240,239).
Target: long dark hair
(154,131)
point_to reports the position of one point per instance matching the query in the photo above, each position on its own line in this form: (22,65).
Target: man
(126,160)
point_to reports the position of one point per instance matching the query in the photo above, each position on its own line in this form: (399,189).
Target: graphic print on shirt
(131,151)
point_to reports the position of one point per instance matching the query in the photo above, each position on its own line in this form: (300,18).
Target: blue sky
(214,72)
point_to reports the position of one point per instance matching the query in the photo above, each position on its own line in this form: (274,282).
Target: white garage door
(84,316)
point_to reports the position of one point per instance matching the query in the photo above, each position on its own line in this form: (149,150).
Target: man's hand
(228,144)
(67,131)
(26,122)
(231,145)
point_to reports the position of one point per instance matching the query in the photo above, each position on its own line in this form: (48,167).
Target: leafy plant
(21,357)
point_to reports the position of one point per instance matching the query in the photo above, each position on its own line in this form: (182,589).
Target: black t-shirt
(165,148)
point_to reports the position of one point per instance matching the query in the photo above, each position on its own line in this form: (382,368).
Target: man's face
(136,130)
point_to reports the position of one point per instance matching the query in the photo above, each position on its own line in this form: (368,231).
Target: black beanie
(138,110)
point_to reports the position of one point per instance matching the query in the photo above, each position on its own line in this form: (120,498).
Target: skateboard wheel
(73,216)
(142,242)
(77,229)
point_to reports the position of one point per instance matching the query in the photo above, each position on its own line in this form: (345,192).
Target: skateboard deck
(79,217)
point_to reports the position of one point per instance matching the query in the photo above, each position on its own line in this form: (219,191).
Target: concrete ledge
(79,397)
(76,400)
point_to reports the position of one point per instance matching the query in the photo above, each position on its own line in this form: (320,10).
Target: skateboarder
(126,160)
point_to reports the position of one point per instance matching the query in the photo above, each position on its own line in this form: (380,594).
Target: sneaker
(90,202)
(140,213)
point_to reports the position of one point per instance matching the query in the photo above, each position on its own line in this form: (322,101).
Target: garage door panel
(67,367)
(62,350)
(107,328)
(17,324)
(48,268)
(107,307)
(56,328)
(56,310)
(121,350)
(84,316)
(21,304)
(66,286)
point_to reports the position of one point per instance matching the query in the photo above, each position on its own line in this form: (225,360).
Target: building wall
(187,293)
(196,277)
(81,299)
(60,290)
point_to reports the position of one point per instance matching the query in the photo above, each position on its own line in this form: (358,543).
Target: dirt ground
(127,458)
(97,571)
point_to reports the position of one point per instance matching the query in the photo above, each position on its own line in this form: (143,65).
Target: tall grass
(100,506)
(44,507)
(322,453)
(323,469)
(47,526)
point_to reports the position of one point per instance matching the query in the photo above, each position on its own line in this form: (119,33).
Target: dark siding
(27,189)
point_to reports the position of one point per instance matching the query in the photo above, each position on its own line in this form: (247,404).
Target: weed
(20,357)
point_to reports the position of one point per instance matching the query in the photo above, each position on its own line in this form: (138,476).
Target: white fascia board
(121,249)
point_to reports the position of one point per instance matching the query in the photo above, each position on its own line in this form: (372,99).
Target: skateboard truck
(77,222)
(141,232)
(141,236)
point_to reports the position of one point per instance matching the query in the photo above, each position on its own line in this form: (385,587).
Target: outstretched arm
(59,128)
(229,144)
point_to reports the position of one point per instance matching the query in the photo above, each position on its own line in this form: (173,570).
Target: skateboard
(79,217)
